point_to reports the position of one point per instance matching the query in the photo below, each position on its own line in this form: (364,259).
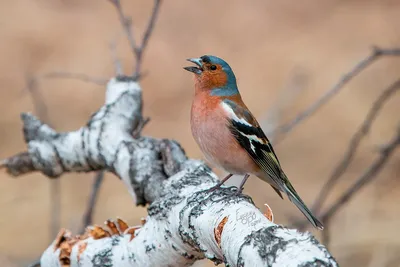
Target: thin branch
(325,235)
(355,142)
(55,187)
(150,25)
(88,215)
(366,178)
(142,123)
(357,69)
(146,37)
(296,84)
(117,62)
(126,22)
(77,76)
(137,50)
(37,98)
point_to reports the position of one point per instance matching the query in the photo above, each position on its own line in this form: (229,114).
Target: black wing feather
(262,153)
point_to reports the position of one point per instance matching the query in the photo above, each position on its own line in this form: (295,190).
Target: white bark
(183,215)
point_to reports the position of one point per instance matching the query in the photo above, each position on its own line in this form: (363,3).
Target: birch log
(185,222)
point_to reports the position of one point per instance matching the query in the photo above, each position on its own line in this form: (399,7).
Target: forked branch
(137,49)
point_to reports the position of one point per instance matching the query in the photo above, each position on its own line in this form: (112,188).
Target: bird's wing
(251,137)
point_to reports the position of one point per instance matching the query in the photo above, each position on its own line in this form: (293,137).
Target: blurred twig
(126,22)
(77,76)
(136,133)
(296,83)
(116,61)
(55,189)
(366,177)
(380,257)
(136,49)
(37,99)
(88,215)
(359,67)
(354,144)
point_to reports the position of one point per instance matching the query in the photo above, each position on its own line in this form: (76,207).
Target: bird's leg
(241,186)
(220,183)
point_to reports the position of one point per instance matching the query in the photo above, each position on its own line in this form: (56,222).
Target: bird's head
(213,74)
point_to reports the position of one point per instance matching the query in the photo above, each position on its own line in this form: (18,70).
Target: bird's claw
(238,191)
(212,189)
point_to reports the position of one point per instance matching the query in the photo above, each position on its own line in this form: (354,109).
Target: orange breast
(210,130)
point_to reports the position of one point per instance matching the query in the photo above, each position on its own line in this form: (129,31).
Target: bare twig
(88,215)
(126,22)
(364,179)
(146,37)
(359,67)
(117,62)
(367,177)
(296,84)
(325,235)
(354,144)
(136,133)
(55,188)
(37,98)
(77,76)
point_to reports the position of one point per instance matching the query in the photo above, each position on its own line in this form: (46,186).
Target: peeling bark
(185,221)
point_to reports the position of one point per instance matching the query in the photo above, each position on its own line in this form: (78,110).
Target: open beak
(196,70)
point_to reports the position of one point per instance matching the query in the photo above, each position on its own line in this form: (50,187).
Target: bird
(229,135)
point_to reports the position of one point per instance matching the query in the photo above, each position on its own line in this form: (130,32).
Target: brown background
(269,44)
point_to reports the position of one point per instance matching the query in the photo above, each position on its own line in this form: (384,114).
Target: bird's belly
(220,147)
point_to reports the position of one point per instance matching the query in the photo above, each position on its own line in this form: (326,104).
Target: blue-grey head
(213,74)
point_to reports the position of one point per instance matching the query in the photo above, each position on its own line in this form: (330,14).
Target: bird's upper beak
(196,70)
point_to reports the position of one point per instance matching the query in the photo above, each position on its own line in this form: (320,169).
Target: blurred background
(271,45)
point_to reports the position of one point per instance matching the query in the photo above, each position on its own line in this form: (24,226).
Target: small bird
(229,135)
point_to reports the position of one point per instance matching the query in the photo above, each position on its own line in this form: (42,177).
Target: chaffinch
(229,135)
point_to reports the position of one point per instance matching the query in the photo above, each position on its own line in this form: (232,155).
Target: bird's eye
(213,67)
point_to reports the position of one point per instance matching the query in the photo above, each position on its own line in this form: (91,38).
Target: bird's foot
(238,191)
(220,183)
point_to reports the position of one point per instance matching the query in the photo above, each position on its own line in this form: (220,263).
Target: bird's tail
(295,198)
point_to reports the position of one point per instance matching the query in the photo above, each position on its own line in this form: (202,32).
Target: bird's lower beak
(196,70)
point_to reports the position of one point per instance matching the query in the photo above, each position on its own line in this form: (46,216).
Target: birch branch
(185,222)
